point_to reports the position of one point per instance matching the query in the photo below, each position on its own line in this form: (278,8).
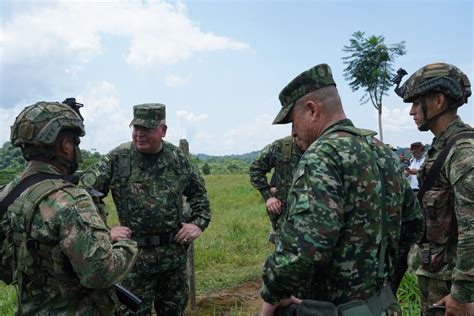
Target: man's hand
(268,309)
(120,233)
(455,308)
(187,233)
(273,206)
(410,172)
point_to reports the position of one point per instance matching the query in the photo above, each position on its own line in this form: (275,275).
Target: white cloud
(397,119)
(7,117)
(160,33)
(190,117)
(46,44)
(175,80)
(106,120)
(246,137)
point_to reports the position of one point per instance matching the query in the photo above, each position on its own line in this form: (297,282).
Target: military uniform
(282,155)
(447,247)
(345,226)
(147,191)
(330,235)
(56,242)
(449,220)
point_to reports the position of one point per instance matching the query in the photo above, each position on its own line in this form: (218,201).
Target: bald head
(329,99)
(313,113)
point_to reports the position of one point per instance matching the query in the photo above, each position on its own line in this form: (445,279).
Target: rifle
(127,298)
(436,310)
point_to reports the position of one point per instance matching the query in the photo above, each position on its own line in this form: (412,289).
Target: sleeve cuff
(267,296)
(200,222)
(265,193)
(462,291)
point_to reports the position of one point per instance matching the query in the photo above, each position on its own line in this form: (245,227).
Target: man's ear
(440,101)
(165,128)
(65,148)
(313,108)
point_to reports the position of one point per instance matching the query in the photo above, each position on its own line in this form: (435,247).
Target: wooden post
(184,146)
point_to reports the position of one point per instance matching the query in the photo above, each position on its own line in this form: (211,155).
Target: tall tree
(369,67)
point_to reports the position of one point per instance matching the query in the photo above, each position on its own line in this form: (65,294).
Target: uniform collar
(451,129)
(36,166)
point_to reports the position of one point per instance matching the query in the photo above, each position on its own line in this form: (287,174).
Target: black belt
(154,240)
(416,190)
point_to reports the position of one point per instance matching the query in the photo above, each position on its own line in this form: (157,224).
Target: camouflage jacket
(448,209)
(148,196)
(332,233)
(66,263)
(282,155)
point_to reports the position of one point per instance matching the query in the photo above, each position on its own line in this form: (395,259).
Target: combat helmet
(437,77)
(36,127)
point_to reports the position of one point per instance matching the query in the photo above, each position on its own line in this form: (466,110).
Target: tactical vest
(439,243)
(38,265)
(127,172)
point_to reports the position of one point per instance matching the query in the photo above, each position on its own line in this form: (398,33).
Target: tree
(206,169)
(369,66)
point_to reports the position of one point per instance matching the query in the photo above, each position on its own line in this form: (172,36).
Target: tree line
(12,162)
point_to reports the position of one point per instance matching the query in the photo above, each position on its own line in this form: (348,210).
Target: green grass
(409,296)
(7,299)
(232,250)
(236,239)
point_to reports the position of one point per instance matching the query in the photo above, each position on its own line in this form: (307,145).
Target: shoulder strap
(124,159)
(439,162)
(124,171)
(22,186)
(354,130)
(287,148)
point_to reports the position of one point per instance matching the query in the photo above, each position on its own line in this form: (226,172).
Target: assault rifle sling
(439,162)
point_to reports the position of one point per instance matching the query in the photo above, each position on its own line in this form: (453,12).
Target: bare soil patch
(243,299)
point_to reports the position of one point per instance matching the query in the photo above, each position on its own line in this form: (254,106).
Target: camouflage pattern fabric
(273,157)
(447,208)
(440,77)
(152,205)
(331,233)
(71,264)
(432,290)
(310,80)
(160,276)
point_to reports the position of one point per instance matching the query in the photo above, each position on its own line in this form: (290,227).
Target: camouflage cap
(312,79)
(148,115)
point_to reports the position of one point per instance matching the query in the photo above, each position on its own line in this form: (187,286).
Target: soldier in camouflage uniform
(350,210)
(446,274)
(55,241)
(148,178)
(282,155)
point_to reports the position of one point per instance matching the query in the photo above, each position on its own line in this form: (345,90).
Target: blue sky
(217,65)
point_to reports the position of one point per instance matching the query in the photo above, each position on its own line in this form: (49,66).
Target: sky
(218,66)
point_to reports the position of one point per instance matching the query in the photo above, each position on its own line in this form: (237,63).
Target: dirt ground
(243,299)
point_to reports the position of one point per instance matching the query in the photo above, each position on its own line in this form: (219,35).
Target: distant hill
(248,157)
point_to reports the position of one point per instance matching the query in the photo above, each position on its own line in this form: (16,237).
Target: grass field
(232,250)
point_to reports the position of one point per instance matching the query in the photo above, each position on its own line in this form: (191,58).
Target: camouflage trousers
(159,279)
(432,290)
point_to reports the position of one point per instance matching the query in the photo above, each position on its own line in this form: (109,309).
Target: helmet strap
(71,165)
(426,121)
